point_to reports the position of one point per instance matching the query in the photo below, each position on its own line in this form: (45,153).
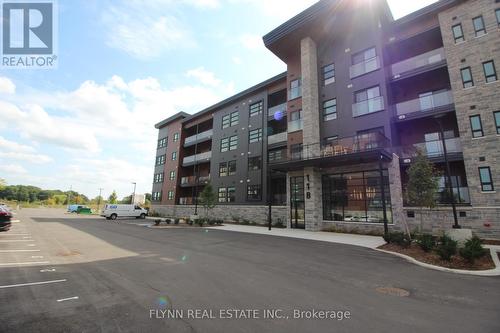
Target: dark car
(5,217)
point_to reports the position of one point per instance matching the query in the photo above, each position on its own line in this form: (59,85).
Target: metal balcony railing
(295,125)
(198,137)
(191,180)
(280,137)
(425,103)
(198,158)
(419,61)
(368,106)
(364,67)
(277,112)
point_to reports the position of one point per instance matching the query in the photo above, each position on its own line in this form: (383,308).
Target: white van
(112,211)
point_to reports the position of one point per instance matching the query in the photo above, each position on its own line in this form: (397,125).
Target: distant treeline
(27,193)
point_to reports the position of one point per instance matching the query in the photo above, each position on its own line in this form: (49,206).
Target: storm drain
(393,291)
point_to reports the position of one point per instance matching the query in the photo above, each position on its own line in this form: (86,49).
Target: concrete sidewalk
(350,239)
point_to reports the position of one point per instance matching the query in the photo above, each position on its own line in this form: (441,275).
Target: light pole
(448,173)
(132,200)
(99,199)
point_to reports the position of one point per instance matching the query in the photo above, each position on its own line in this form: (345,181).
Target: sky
(124,66)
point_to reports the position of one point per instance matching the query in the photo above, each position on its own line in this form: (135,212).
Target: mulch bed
(456,262)
(491,242)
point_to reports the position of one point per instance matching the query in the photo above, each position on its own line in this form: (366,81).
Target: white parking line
(7,251)
(31,244)
(67,299)
(31,283)
(24,263)
(47,270)
(15,221)
(36,257)
(15,240)
(15,234)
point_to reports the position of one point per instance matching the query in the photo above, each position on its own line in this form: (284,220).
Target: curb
(489,272)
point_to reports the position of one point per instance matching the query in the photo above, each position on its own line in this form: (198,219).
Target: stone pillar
(314,203)
(310,102)
(394,171)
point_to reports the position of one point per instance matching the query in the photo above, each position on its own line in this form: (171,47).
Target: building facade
(327,144)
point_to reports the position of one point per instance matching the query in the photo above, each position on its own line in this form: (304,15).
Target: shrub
(176,221)
(167,220)
(245,222)
(188,221)
(398,238)
(200,221)
(279,224)
(157,222)
(446,248)
(211,221)
(473,249)
(236,219)
(219,222)
(253,223)
(426,242)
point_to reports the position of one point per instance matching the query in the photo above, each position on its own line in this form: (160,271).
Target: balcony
(200,137)
(197,159)
(356,149)
(364,67)
(429,60)
(191,181)
(186,201)
(294,93)
(433,149)
(369,106)
(295,125)
(277,138)
(278,109)
(436,101)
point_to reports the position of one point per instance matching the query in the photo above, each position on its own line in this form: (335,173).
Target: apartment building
(328,142)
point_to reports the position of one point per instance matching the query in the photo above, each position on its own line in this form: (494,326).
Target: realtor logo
(28,34)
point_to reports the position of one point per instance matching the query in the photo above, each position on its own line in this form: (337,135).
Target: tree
(113,198)
(208,198)
(126,200)
(3,183)
(422,184)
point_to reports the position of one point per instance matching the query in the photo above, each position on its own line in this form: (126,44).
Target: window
(367,101)
(458,33)
(227,194)
(485,177)
(497,13)
(490,72)
(296,115)
(228,144)
(172,175)
(176,137)
(162,143)
(170,195)
(295,89)
(223,169)
(253,192)
(330,109)
(364,62)
(255,135)
(496,115)
(160,160)
(331,139)
(254,163)
(276,155)
(363,56)
(476,126)
(478,24)
(156,196)
(222,194)
(227,168)
(230,119)
(467,77)
(328,74)
(158,178)
(296,151)
(256,108)
(174,155)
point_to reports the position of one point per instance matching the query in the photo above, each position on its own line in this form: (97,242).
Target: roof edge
(170,119)
(434,7)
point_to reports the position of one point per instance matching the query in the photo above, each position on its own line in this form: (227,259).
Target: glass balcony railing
(369,106)
(422,60)
(280,137)
(295,125)
(191,180)
(364,67)
(432,148)
(198,137)
(294,93)
(426,102)
(198,158)
(277,112)
(186,201)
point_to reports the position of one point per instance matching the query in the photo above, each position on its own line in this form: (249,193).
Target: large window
(223,169)
(172,175)
(228,144)
(230,119)
(490,73)
(176,137)
(276,155)
(170,195)
(222,194)
(174,155)
(227,168)
(254,163)
(158,178)
(156,196)
(478,24)
(296,151)
(364,56)
(328,72)
(458,33)
(160,160)
(364,62)
(467,80)
(330,109)
(253,192)
(227,194)
(295,89)
(496,115)
(485,178)
(256,108)
(255,135)
(356,197)
(367,101)
(162,143)
(476,126)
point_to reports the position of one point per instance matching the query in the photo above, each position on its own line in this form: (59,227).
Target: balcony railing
(425,103)
(432,149)
(295,125)
(280,137)
(341,146)
(422,60)
(369,106)
(364,67)
(276,156)
(198,138)
(198,158)
(295,93)
(278,109)
(186,201)
(191,180)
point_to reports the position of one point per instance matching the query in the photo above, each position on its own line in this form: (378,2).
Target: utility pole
(69,195)
(132,200)
(99,199)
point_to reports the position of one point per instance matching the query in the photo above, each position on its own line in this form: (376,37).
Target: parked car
(5,219)
(112,211)
(75,208)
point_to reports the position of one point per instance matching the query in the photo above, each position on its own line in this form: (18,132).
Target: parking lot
(69,273)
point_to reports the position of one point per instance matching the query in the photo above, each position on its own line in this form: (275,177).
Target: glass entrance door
(297,205)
